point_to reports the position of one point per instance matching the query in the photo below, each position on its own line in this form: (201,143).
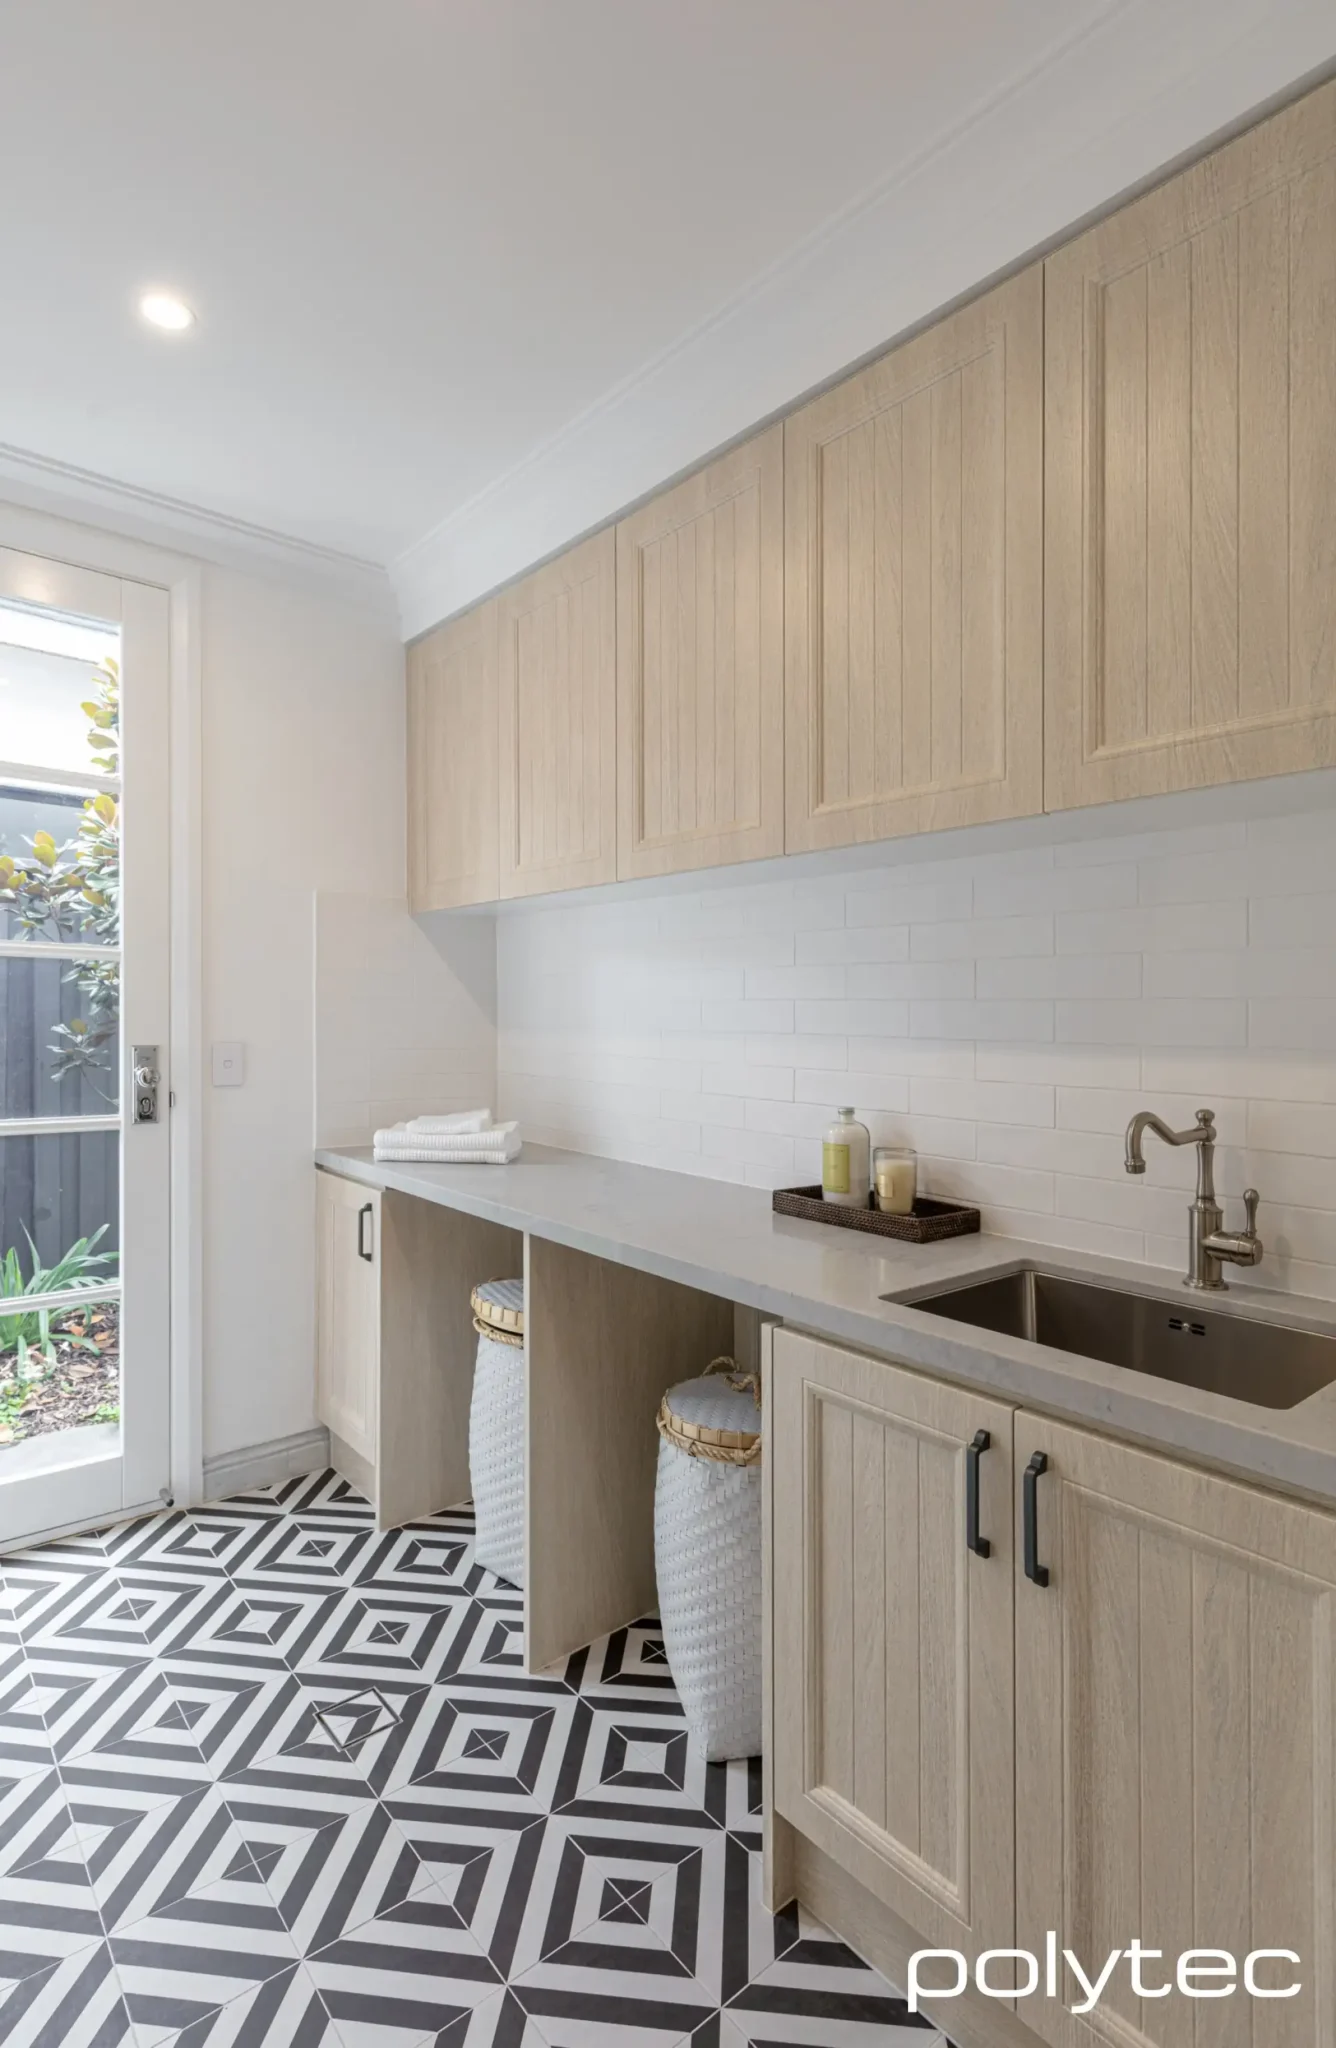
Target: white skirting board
(287,1457)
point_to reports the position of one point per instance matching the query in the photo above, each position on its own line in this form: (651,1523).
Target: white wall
(1005,1012)
(405,1022)
(303,764)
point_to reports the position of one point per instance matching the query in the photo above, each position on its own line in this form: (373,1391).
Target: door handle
(1037,1466)
(973,1452)
(362,1251)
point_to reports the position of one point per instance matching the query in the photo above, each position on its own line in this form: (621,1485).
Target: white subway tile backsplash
(773,1083)
(981,1020)
(1062,974)
(1164,1022)
(901,902)
(1298,920)
(909,978)
(1154,928)
(1005,1013)
(863,1091)
(840,943)
(980,938)
(862,1019)
(747,1016)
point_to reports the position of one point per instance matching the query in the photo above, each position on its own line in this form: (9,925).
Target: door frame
(84,547)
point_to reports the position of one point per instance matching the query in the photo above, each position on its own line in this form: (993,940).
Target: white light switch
(229,1063)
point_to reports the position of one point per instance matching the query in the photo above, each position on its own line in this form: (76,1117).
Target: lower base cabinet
(347,1377)
(1175,1742)
(893,1639)
(1117,1726)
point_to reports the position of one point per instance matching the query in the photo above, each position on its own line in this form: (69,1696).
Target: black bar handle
(973,1452)
(362,1215)
(1037,1466)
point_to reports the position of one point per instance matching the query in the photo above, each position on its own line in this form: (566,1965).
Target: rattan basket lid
(500,1305)
(717,1416)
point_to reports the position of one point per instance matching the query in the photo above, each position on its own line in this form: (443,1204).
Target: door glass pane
(46,664)
(59,1227)
(60,866)
(59,1037)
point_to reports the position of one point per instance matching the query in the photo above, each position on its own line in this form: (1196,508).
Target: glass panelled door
(84,1097)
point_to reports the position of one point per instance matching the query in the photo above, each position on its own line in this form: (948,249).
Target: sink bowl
(1273,1365)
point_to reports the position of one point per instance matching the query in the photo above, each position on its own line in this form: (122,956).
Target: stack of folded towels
(466,1138)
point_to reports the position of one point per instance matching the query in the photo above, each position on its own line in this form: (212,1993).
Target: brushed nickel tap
(1209,1246)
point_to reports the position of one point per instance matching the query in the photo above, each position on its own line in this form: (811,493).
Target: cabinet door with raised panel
(558,693)
(892,1669)
(913,583)
(347,1374)
(1176,1746)
(452,790)
(1190,503)
(700,667)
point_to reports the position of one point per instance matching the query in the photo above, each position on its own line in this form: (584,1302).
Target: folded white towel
(494,1146)
(441,1126)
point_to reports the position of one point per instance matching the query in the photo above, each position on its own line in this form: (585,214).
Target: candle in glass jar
(895,1177)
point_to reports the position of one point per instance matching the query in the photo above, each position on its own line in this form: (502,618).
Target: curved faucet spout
(1202,1133)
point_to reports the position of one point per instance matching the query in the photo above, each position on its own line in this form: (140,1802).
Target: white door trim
(109,554)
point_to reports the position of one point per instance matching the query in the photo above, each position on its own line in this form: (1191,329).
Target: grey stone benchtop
(728,1241)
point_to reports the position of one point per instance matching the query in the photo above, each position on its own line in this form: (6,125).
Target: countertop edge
(1077,1390)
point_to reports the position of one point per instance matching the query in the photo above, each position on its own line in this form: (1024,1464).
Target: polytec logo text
(1196,1973)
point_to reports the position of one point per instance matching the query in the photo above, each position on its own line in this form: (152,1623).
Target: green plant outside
(73,892)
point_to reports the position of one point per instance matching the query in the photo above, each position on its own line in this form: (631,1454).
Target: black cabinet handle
(362,1215)
(973,1452)
(1030,1494)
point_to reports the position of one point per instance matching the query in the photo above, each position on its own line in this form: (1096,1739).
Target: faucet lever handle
(1250,1200)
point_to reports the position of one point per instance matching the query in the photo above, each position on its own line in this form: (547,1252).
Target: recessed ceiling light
(164,309)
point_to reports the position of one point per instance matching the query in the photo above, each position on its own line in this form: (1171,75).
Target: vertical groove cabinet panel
(913,583)
(893,1654)
(556,661)
(452,785)
(700,668)
(1190,491)
(347,1377)
(1176,1741)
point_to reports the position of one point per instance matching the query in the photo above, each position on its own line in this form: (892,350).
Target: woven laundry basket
(707,1554)
(496,1428)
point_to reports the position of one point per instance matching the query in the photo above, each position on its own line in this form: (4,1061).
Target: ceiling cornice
(43,484)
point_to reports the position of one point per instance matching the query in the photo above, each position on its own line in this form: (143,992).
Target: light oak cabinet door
(1175,1735)
(452,785)
(892,1664)
(700,668)
(914,583)
(1190,392)
(347,1376)
(557,673)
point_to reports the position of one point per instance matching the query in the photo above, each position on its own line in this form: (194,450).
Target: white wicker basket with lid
(496,1428)
(707,1551)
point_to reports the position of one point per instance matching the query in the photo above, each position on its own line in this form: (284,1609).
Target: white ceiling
(423,237)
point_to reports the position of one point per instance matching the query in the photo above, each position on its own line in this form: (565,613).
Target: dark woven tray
(929,1221)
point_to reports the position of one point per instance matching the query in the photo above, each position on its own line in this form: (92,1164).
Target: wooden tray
(929,1221)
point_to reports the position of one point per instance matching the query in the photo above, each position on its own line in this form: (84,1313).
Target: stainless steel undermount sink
(1273,1365)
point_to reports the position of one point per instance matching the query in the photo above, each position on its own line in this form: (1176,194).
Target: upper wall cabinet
(557,679)
(452,793)
(1191,475)
(914,583)
(700,668)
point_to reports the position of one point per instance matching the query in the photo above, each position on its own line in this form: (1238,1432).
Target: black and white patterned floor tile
(272,1779)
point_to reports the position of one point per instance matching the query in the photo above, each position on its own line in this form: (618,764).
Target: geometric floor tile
(270,1778)
(142,1862)
(370,1632)
(75,2004)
